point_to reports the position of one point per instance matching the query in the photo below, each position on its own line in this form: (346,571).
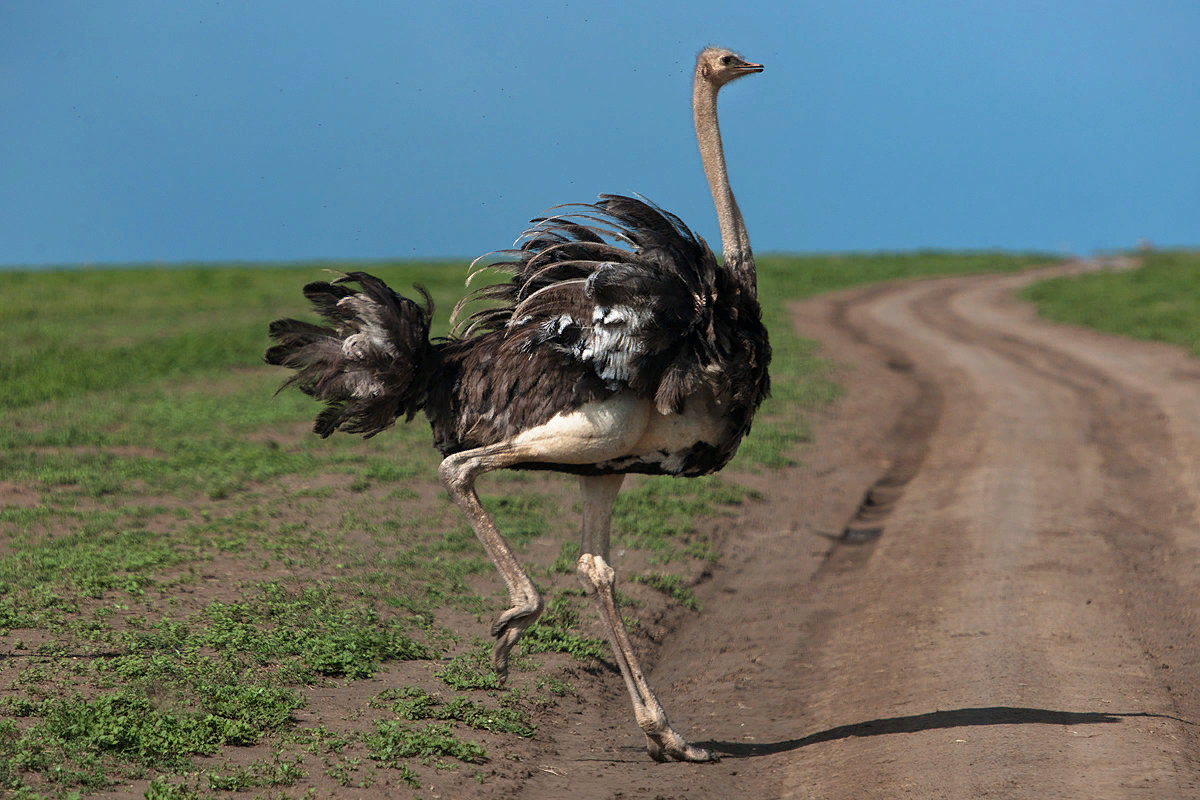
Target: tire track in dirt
(982,581)
(907,442)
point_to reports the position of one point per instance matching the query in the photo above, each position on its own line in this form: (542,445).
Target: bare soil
(984,580)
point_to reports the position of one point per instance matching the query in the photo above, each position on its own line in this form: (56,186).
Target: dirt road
(984,581)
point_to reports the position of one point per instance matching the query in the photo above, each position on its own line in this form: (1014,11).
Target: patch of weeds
(560,688)
(671,585)
(83,742)
(568,558)
(393,741)
(281,772)
(161,788)
(403,493)
(93,559)
(660,513)
(14,615)
(552,632)
(390,471)
(702,550)
(471,669)
(341,770)
(263,708)
(321,740)
(259,774)
(625,601)
(414,703)
(18,706)
(521,515)
(10,735)
(314,627)
(557,687)
(405,773)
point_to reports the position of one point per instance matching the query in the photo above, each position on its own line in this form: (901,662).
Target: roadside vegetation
(198,596)
(1160,301)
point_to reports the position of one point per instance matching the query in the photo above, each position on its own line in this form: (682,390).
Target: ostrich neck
(735,241)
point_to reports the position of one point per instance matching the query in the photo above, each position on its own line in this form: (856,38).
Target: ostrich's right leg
(599,580)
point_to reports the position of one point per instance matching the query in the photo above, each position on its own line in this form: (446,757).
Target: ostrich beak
(748,67)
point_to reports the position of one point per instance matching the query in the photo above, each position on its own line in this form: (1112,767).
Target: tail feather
(370,365)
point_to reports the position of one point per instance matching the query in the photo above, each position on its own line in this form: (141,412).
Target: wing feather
(629,291)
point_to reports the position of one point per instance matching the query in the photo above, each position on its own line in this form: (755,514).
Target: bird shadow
(934,720)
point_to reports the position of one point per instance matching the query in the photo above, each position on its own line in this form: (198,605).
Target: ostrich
(618,346)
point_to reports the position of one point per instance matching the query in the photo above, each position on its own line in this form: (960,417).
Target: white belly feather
(622,430)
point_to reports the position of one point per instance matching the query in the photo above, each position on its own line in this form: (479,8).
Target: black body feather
(611,297)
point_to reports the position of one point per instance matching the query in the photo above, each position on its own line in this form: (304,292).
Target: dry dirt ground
(983,581)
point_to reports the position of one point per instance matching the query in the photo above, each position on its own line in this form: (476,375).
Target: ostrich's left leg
(458,473)
(598,578)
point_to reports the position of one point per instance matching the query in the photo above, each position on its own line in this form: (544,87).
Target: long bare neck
(739,258)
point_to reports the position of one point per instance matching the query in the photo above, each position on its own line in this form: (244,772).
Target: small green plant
(568,557)
(341,770)
(471,669)
(82,742)
(393,741)
(521,515)
(313,627)
(553,633)
(277,771)
(414,703)
(558,687)
(671,585)
(161,788)
(659,515)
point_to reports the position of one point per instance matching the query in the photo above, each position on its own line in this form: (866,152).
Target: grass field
(1160,301)
(198,596)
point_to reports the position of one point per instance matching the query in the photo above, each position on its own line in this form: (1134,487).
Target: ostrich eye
(726,60)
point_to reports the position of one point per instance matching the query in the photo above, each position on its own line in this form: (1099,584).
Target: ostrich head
(720,66)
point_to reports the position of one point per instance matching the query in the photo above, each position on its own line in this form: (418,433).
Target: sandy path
(1009,611)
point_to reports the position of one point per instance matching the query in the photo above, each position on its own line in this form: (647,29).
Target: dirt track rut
(984,581)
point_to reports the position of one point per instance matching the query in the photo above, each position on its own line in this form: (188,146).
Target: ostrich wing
(623,287)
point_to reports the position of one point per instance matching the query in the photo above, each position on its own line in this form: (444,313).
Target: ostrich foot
(662,742)
(670,745)
(508,629)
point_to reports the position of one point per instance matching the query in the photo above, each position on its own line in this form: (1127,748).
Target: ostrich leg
(458,473)
(598,579)
(593,433)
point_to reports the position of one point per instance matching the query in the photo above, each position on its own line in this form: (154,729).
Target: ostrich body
(619,345)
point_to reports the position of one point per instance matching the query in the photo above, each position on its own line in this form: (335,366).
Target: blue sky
(271,130)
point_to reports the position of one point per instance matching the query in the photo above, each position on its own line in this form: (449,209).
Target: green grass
(145,461)
(672,586)
(413,703)
(394,741)
(659,514)
(83,742)
(1160,301)
(67,333)
(554,631)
